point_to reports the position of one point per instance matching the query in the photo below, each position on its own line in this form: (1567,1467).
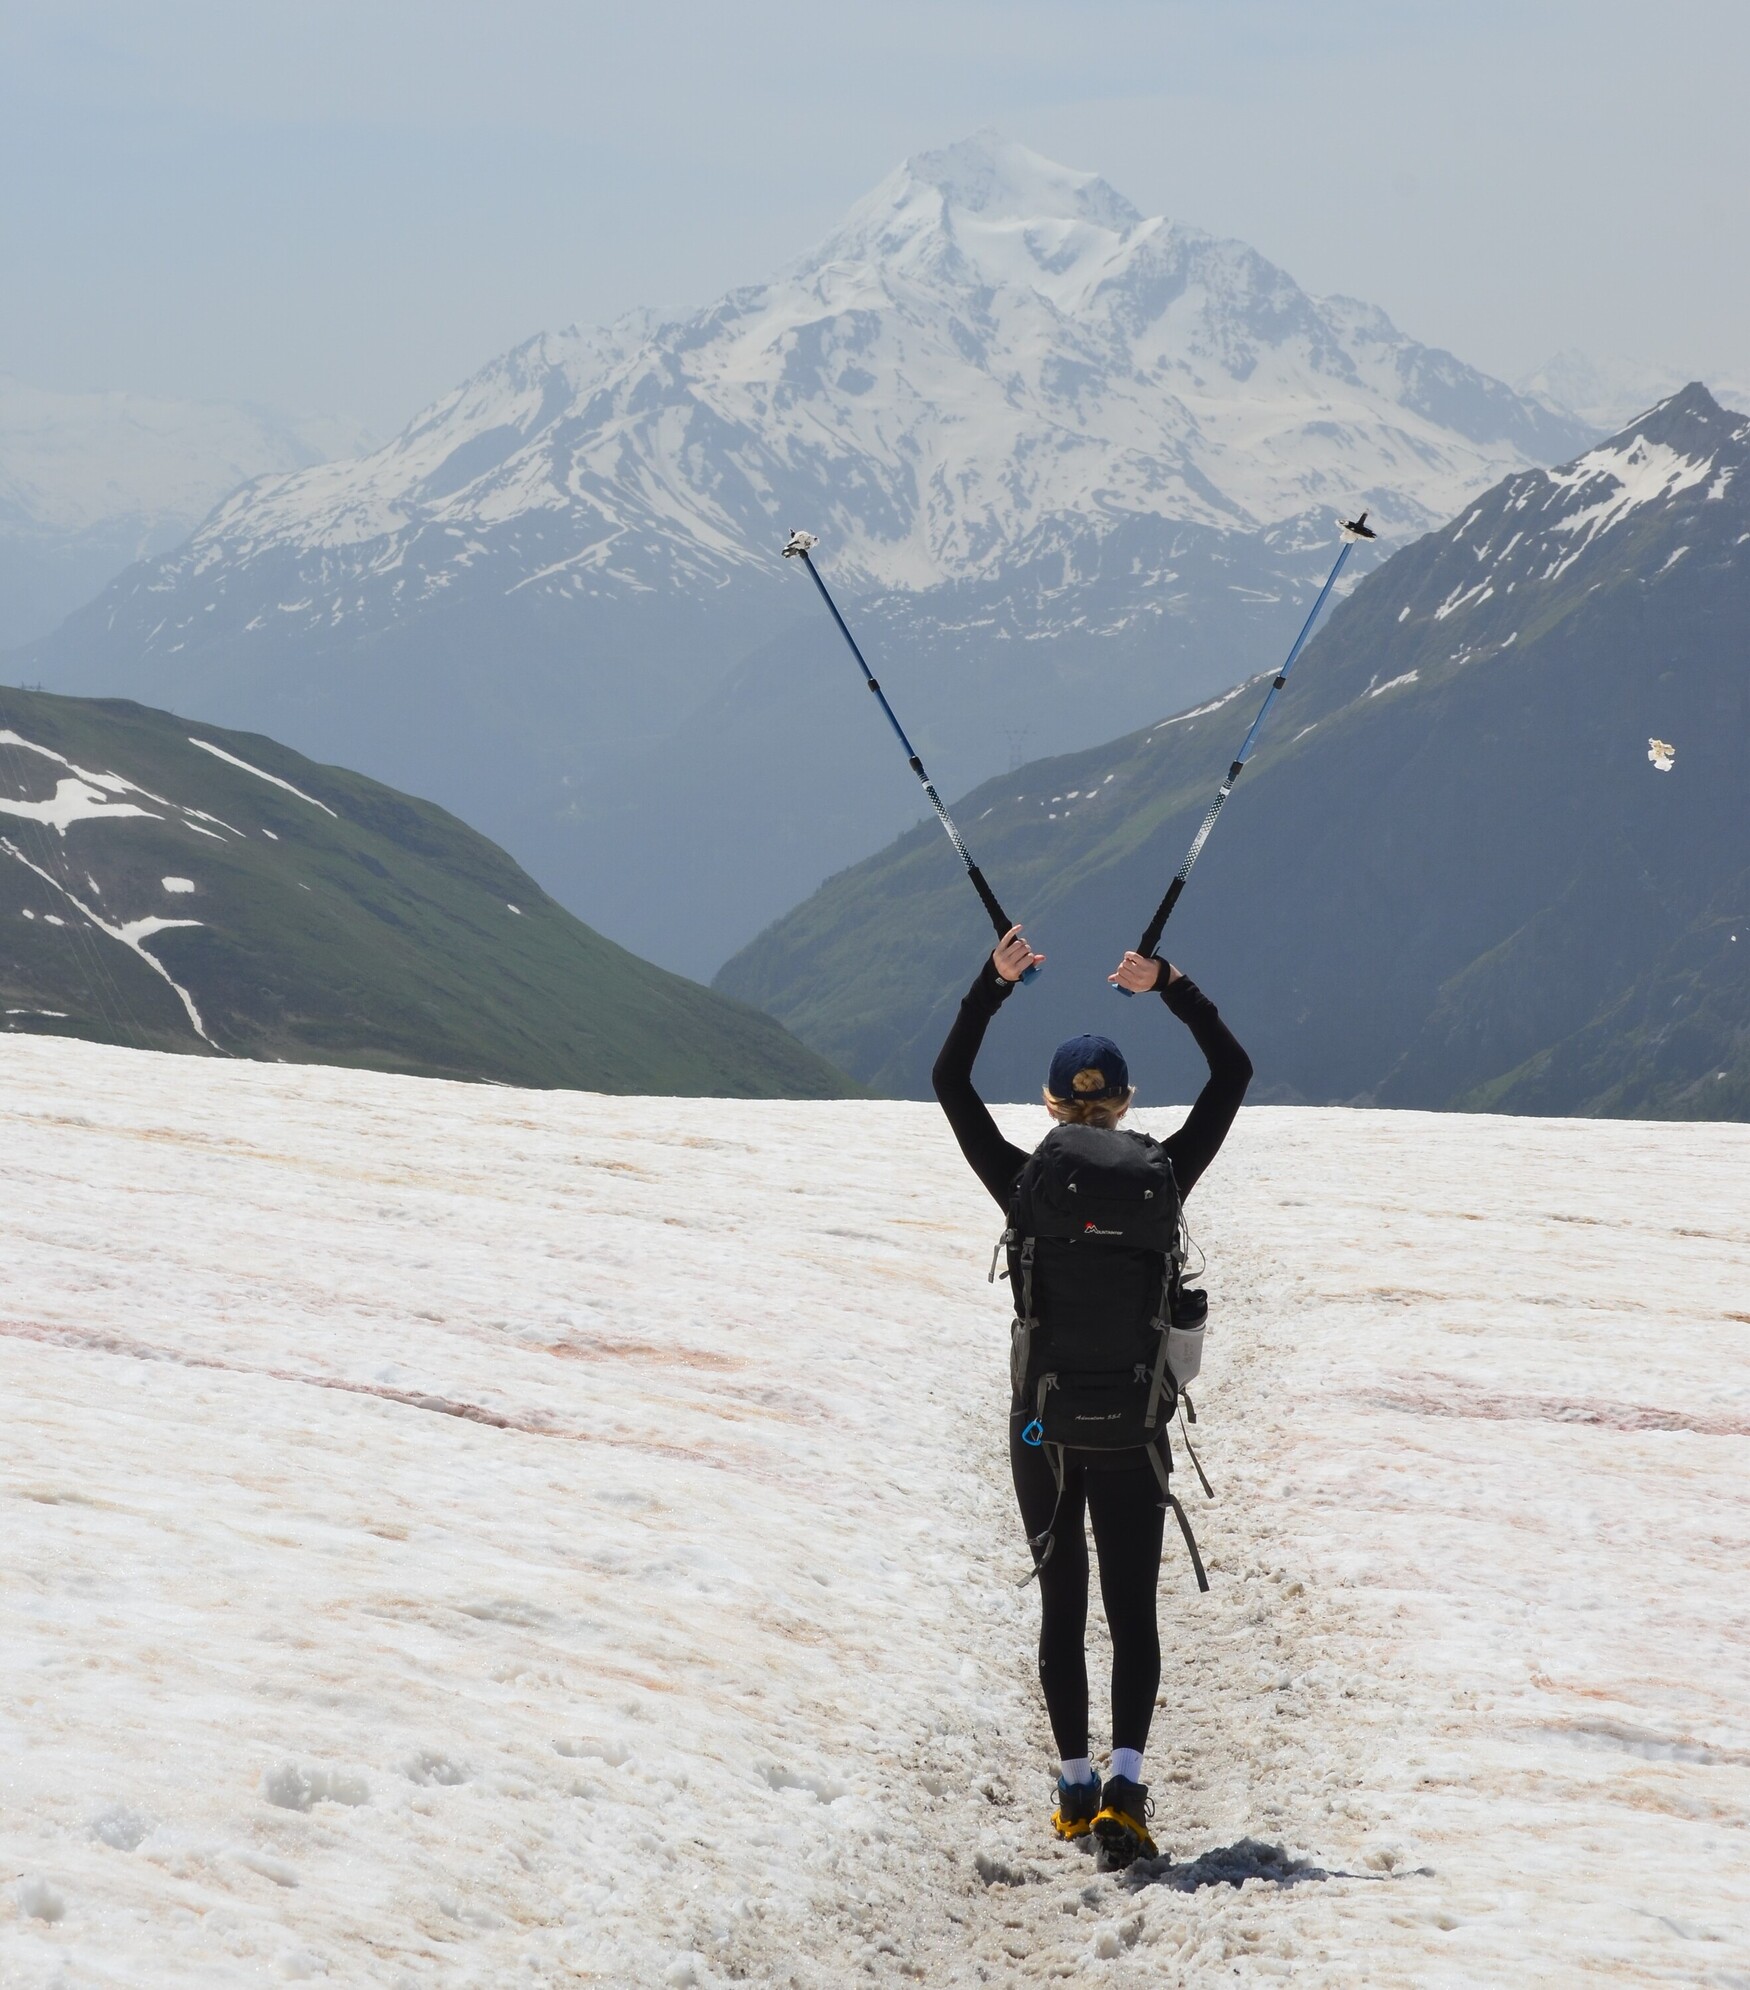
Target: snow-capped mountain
(90,483)
(1014,408)
(992,357)
(1458,872)
(1681,473)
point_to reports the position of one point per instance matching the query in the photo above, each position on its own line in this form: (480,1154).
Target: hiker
(1123,1492)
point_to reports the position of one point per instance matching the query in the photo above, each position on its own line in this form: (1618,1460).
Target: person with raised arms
(1095,1258)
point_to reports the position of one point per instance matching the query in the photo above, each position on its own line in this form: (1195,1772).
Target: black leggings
(1125,1506)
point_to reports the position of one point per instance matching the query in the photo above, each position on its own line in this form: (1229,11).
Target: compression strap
(1162,1324)
(1196,1462)
(1054,1457)
(1170,1498)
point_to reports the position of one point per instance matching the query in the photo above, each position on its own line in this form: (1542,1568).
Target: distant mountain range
(1452,876)
(92,483)
(171,886)
(1069,465)
(1603,393)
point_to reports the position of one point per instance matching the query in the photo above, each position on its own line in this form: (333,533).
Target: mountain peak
(993,357)
(1672,446)
(1691,415)
(993,177)
(989,211)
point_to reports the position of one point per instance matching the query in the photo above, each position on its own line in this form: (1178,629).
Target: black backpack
(1095,1256)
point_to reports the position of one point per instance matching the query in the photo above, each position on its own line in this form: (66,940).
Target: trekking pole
(798,549)
(1354,530)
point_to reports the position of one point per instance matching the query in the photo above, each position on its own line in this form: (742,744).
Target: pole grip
(998,917)
(1151,933)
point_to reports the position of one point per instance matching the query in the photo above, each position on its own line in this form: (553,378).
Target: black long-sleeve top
(998,1162)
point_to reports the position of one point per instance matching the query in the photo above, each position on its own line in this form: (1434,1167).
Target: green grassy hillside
(329,919)
(1449,877)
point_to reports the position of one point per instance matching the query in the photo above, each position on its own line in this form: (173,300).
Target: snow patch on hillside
(219,753)
(1393,683)
(131,933)
(1637,473)
(1536,529)
(74,800)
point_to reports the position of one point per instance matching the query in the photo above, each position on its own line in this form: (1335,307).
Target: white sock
(1127,1762)
(1078,1769)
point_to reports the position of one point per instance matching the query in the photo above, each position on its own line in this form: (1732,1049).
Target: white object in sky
(425,1560)
(1663,756)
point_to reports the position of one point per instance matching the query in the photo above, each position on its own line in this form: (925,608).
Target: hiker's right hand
(1013,956)
(1137,973)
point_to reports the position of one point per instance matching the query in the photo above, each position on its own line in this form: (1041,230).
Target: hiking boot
(1121,1823)
(1077,1806)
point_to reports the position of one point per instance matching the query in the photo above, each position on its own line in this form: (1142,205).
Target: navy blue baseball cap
(1088,1067)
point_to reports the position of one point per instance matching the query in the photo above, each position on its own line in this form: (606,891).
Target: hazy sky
(345,208)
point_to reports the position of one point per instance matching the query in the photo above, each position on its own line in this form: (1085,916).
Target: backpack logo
(1094,1230)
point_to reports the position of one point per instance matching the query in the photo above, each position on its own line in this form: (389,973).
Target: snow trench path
(458,1536)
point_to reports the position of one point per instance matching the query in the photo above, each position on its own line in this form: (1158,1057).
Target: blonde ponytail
(1104,1113)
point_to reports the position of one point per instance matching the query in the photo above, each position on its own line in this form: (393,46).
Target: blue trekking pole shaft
(1355,530)
(797,549)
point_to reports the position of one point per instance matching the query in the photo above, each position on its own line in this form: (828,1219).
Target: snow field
(463,1536)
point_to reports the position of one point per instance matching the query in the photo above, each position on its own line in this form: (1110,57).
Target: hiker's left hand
(1013,956)
(1137,973)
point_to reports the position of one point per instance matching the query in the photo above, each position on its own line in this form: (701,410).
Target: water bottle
(1185,1335)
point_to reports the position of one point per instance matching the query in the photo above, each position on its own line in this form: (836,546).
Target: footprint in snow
(293,1787)
(428,1766)
(121,1827)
